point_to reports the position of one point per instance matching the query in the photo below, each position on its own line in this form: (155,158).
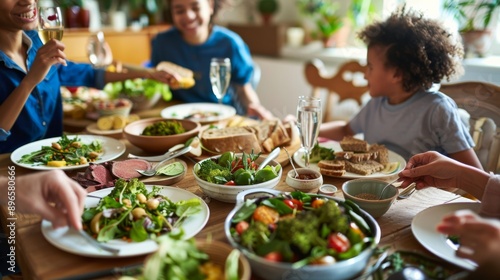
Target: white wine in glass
(50,25)
(308,122)
(220,76)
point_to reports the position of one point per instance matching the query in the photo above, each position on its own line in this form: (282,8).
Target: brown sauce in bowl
(307,176)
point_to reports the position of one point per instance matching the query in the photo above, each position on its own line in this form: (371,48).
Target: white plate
(69,240)
(183,110)
(92,128)
(424,225)
(393,157)
(112,149)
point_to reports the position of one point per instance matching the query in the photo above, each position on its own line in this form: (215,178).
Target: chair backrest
(482,102)
(342,83)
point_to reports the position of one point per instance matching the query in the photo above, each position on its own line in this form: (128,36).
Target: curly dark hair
(420,48)
(218,5)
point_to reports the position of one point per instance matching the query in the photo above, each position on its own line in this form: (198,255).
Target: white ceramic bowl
(308,179)
(228,194)
(360,190)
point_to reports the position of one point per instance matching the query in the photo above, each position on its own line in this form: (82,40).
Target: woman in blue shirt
(31,75)
(194,41)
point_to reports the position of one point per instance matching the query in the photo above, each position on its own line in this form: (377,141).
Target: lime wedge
(390,167)
(171,169)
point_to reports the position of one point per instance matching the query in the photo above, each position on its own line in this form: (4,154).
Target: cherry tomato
(230,183)
(241,227)
(294,203)
(317,203)
(266,215)
(274,257)
(338,242)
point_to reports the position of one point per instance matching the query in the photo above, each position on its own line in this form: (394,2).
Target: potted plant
(74,13)
(267,8)
(473,17)
(321,16)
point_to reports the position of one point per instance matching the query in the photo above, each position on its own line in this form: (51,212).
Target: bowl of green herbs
(157,135)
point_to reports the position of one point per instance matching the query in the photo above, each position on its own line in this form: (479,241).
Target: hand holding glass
(308,122)
(220,76)
(50,25)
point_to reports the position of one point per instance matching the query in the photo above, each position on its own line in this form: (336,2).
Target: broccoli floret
(256,234)
(301,232)
(331,215)
(214,173)
(321,153)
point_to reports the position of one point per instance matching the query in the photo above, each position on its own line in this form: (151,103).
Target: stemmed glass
(50,25)
(220,76)
(308,122)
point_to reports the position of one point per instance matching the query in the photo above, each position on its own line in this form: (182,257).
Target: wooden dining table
(39,259)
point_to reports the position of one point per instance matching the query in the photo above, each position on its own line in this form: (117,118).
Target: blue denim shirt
(41,116)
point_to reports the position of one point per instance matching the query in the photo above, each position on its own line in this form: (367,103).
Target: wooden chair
(341,84)
(482,102)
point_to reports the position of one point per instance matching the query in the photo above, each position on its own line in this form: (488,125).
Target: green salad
(138,87)
(231,169)
(64,152)
(133,213)
(302,229)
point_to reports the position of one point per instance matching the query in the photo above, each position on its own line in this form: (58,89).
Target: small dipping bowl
(306,181)
(327,189)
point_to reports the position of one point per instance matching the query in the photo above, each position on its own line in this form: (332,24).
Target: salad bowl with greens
(144,93)
(223,176)
(300,235)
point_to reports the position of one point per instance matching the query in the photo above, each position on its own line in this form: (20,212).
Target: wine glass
(308,122)
(50,25)
(220,76)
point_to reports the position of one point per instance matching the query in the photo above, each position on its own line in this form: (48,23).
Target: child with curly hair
(193,41)
(406,55)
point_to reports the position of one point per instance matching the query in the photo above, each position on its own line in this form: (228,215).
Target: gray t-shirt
(426,121)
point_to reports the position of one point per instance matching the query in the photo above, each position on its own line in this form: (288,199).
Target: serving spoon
(272,155)
(291,162)
(152,171)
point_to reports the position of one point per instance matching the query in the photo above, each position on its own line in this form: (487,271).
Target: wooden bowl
(218,252)
(159,144)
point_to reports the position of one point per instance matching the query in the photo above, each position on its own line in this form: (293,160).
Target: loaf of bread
(234,139)
(379,153)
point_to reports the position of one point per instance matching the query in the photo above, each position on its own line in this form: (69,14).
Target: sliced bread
(331,164)
(364,168)
(352,144)
(332,173)
(379,153)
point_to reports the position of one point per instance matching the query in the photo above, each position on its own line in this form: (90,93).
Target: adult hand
(49,54)
(170,78)
(431,169)
(53,195)
(479,237)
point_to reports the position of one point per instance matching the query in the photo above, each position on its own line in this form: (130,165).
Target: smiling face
(18,14)
(192,18)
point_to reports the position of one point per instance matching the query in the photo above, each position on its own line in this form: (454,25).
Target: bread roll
(186,80)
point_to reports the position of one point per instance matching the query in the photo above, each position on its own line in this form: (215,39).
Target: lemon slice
(172,169)
(119,122)
(390,167)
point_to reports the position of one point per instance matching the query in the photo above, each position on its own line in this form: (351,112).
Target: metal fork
(152,171)
(408,191)
(97,244)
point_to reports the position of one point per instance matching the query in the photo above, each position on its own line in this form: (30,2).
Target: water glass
(220,76)
(308,122)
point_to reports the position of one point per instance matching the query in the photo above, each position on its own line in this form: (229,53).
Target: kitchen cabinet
(129,46)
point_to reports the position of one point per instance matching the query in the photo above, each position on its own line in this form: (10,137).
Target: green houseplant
(473,18)
(267,8)
(323,14)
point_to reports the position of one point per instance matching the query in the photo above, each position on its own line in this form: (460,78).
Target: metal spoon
(385,187)
(152,171)
(272,155)
(408,191)
(291,162)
